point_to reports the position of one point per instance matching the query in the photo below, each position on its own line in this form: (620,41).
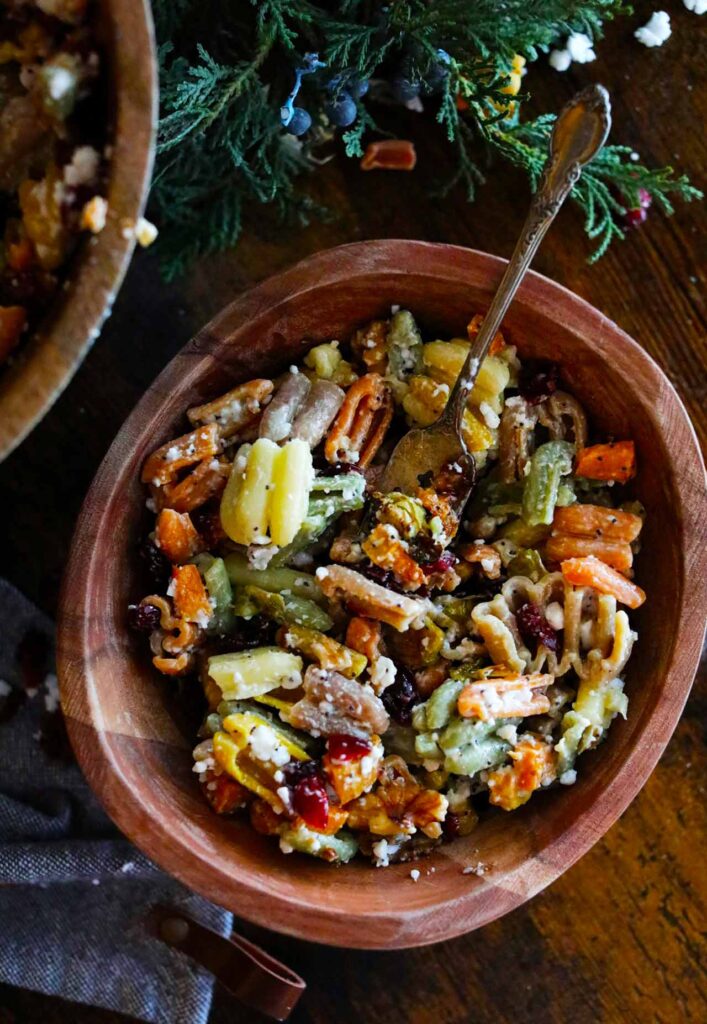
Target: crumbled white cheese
(279,423)
(555,615)
(60,82)
(265,745)
(568,778)
(145,232)
(260,555)
(499,703)
(696,6)
(458,795)
(509,733)
(284,794)
(394,309)
(83,168)
(5,688)
(322,572)
(381,851)
(382,673)
(414,874)
(655,31)
(491,418)
(285,847)
(476,869)
(292,681)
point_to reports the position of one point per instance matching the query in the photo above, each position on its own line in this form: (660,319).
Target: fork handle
(579,133)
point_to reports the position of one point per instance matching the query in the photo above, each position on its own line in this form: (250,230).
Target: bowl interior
(126,723)
(46,362)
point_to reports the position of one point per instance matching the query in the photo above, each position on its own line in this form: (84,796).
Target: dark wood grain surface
(620,937)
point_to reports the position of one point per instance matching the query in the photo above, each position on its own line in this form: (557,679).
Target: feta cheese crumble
(696,6)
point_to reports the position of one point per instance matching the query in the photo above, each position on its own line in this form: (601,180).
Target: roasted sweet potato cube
(188,593)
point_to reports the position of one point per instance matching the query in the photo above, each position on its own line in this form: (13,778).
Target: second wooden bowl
(45,364)
(125,724)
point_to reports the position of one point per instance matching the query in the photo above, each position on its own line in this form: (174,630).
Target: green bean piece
(426,746)
(276,580)
(548,465)
(221,594)
(466,670)
(440,707)
(328,500)
(288,609)
(527,563)
(343,845)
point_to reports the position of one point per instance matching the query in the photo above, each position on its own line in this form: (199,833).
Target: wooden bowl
(124,721)
(45,364)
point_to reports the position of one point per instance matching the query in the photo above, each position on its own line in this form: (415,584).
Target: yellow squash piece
(234,754)
(292,477)
(252,673)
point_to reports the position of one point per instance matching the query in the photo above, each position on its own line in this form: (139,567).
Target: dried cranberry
(255,632)
(401,696)
(445,561)
(295,771)
(157,566)
(382,576)
(343,747)
(310,801)
(336,469)
(143,617)
(538,380)
(451,825)
(207,522)
(534,627)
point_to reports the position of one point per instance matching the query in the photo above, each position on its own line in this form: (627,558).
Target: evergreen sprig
(226,67)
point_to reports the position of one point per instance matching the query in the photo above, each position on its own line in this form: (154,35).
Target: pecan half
(237,410)
(362,422)
(335,704)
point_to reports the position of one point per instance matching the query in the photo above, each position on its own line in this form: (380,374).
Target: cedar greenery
(226,66)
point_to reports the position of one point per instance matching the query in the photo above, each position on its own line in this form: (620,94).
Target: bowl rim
(45,364)
(474,907)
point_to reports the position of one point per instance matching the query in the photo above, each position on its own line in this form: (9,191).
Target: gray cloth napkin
(73,891)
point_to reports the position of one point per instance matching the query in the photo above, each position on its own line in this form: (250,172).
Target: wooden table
(617,938)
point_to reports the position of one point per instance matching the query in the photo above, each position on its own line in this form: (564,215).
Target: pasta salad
(378,668)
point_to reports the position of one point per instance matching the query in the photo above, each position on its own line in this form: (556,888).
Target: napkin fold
(73,892)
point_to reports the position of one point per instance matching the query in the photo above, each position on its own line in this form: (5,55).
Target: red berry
(343,747)
(538,380)
(635,217)
(143,617)
(401,696)
(445,561)
(450,826)
(310,801)
(534,627)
